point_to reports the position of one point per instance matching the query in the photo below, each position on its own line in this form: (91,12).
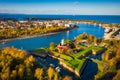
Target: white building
(62,42)
(48,25)
(67,25)
(23,21)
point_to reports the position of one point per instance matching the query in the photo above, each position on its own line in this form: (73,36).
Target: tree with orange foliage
(117,77)
(118,52)
(13,75)
(67,78)
(21,69)
(50,73)
(106,55)
(38,73)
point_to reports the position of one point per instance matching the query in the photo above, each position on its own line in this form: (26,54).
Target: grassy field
(86,51)
(75,64)
(63,56)
(95,48)
(82,53)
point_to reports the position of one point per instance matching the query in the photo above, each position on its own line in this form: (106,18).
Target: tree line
(109,66)
(16,64)
(13,33)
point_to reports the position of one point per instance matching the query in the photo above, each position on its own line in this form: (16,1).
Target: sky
(68,7)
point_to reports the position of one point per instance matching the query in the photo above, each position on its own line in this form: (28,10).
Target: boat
(107,30)
(3,42)
(57,69)
(52,65)
(100,24)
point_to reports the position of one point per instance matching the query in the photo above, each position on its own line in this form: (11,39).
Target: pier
(114,34)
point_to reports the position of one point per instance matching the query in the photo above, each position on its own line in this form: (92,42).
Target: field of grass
(86,51)
(95,48)
(63,56)
(75,64)
(73,60)
(82,53)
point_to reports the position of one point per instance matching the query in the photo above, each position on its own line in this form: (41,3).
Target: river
(44,41)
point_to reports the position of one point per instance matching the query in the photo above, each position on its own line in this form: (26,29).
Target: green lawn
(76,64)
(86,51)
(63,56)
(73,61)
(95,48)
(82,53)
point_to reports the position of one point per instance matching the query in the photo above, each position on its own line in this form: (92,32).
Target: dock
(114,34)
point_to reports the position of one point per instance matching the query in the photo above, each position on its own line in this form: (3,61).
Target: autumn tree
(117,77)
(29,61)
(21,69)
(15,64)
(56,76)
(106,55)
(13,75)
(50,73)
(95,40)
(52,46)
(38,73)
(67,78)
(118,52)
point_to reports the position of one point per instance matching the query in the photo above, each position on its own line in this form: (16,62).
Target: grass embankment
(96,49)
(74,60)
(62,56)
(41,50)
(74,63)
(86,51)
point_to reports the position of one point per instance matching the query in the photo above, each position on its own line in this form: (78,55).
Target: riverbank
(78,74)
(44,34)
(104,25)
(70,69)
(114,34)
(65,66)
(18,38)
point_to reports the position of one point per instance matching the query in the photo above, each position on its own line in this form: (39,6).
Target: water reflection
(67,32)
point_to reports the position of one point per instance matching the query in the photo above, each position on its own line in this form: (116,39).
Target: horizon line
(63,14)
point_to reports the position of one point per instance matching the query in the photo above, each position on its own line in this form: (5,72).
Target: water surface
(99,18)
(44,41)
